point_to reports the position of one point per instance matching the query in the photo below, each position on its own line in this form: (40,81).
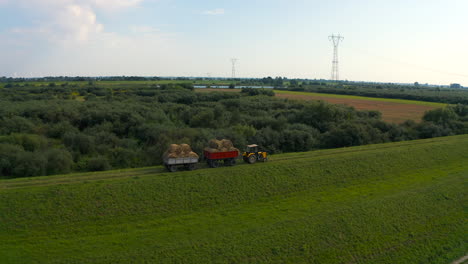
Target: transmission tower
(233,61)
(336,42)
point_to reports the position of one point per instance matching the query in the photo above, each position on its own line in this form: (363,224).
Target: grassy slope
(400,101)
(390,203)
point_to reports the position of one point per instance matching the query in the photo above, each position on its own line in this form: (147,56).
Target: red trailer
(213,158)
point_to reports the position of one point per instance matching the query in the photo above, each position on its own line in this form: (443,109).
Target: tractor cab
(252,154)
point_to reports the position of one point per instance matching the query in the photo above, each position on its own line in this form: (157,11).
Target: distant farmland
(393,110)
(388,203)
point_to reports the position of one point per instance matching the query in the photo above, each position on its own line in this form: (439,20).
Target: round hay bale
(169,155)
(226,143)
(234,149)
(185,148)
(192,155)
(215,144)
(211,150)
(174,148)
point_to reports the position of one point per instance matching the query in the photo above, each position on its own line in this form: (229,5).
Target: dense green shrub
(59,161)
(98,163)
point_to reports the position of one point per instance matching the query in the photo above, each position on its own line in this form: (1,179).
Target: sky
(402,41)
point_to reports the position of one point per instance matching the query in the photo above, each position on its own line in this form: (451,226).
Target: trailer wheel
(232,162)
(214,164)
(191,166)
(172,168)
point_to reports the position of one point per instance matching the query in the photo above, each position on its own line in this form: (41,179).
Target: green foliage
(327,206)
(79,142)
(130,123)
(16,124)
(441,115)
(8,155)
(28,142)
(59,161)
(352,134)
(98,163)
(257,91)
(27,164)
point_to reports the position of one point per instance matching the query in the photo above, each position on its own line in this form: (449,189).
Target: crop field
(393,110)
(389,203)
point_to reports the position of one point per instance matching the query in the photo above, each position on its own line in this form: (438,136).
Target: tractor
(252,155)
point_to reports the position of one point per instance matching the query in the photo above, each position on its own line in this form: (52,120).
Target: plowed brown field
(391,112)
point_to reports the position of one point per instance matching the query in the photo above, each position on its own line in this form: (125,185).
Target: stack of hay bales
(179,151)
(224,145)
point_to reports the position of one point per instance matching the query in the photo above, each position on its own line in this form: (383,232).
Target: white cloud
(214,12)
(69,35)
(69,20)
(77,23)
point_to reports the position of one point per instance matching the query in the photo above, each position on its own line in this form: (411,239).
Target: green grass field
(390,203)
(351,97)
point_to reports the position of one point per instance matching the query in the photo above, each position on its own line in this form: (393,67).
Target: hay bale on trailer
(185,149)
(180,151)
(223,145)
(173,151)
(180,155)
(211,150)
(220,150)
(192,155)
(227,144)
(215,144)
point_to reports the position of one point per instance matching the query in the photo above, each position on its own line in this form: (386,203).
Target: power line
(336,42)
(233,61)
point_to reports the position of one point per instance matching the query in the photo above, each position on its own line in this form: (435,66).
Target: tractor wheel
(252,159)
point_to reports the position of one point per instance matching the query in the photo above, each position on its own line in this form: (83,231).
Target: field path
(461,260)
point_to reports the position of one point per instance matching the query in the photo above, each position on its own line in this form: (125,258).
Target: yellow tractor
(251,154)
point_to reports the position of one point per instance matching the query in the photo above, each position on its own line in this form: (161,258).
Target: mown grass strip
(152,171)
